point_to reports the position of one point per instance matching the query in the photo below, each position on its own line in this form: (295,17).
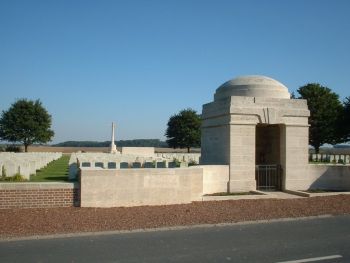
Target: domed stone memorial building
(259,131)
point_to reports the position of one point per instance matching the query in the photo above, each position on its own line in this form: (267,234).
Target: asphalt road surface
(307,240)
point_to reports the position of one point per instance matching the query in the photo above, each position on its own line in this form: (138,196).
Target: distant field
(98,149)
(66,149)
(158,150)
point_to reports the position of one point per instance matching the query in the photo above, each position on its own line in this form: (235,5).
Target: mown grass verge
(55,171)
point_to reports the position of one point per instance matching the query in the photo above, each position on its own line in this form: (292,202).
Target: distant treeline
(122,143)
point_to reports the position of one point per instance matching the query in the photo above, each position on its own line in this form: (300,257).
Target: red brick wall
(39,198)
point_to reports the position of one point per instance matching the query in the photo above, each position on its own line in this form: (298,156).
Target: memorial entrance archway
(268,173)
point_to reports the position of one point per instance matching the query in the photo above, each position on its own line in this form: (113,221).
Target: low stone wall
(133,187)
(38,195)
(321,176)
(336,177)
(148,186)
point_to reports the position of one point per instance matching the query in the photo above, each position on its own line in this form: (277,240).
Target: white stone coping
(330,164)
(140,169)
(328,194)
(254,195)
(307,194)
(38,185)
(95,168)
(295,192)
(236,197)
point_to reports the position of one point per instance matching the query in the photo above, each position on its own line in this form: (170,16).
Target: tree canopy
(326,112)
(184,130)
(346,119)
(26,121)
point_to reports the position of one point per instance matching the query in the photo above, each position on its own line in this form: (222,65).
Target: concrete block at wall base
(241,185)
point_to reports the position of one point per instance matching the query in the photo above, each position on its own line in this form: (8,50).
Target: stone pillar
(113,146)
(242,158)
(215,147)
(294,156)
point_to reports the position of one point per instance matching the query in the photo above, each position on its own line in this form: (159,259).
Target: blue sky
(138,62)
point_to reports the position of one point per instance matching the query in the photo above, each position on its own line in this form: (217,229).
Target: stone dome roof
(252,86)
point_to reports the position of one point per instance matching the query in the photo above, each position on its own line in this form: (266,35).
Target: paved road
(261,242)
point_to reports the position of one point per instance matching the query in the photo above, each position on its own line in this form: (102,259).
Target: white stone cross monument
(113,146)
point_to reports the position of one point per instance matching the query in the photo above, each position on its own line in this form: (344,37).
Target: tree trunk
(317,150)
(188,149)
(25,147)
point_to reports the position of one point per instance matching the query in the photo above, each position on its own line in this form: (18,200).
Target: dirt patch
(27,222)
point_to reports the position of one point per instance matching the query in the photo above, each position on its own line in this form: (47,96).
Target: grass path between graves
(55,171)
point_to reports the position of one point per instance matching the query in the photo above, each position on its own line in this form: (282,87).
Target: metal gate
(268,177)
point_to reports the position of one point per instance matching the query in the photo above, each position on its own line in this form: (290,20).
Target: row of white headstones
(25,164)
(332,158)
(113,161)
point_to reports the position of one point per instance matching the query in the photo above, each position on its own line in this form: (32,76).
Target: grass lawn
(55,171)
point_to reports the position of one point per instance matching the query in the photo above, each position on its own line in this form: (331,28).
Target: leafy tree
(26,121)
(346,120)
(184,130)
(325,112)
